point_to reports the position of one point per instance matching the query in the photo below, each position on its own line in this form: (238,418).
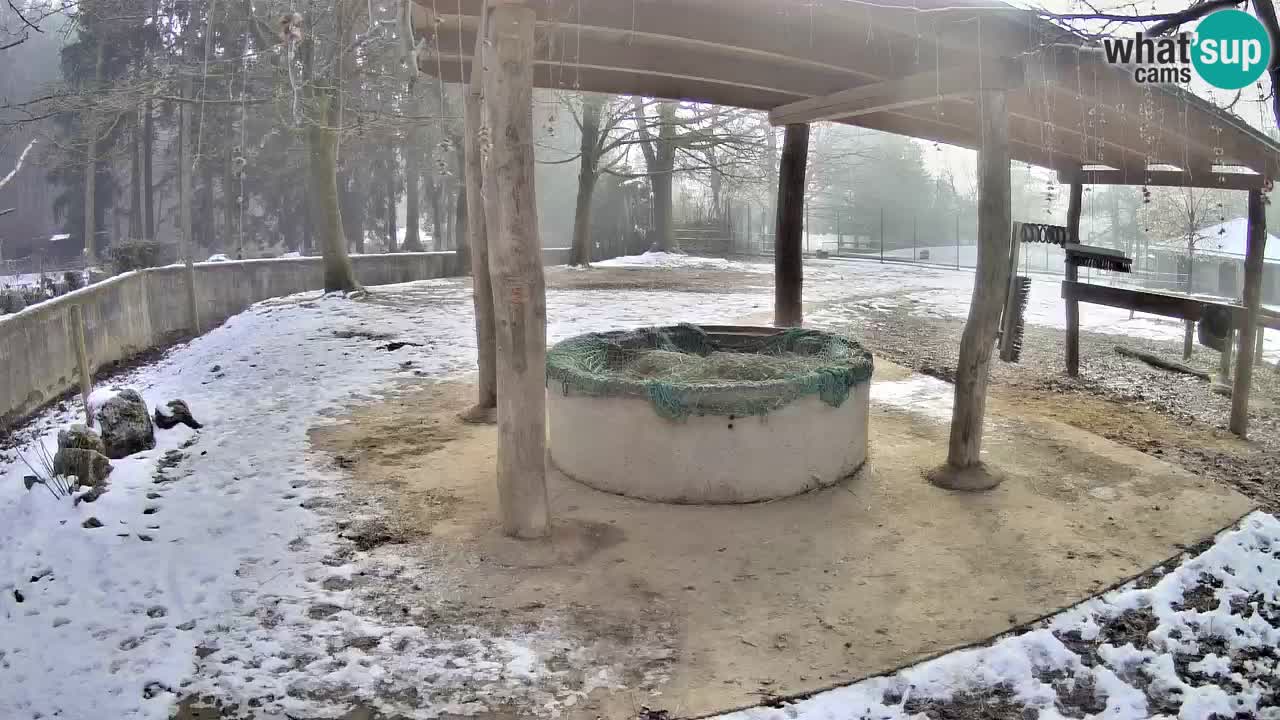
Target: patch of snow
(99,397)
(680,260)
(920,394)
(218,257)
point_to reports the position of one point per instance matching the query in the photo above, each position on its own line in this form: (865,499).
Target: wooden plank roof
(1073,110)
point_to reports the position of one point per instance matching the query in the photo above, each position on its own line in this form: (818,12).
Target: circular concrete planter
(619,444)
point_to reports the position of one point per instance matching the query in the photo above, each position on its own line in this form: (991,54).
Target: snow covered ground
(206,569)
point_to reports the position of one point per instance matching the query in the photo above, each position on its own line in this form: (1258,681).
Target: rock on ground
(82,455)
(179,413)
(126,425)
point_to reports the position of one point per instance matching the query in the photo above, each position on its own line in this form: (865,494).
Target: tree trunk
(592,114)
(391,207)
(788,259)
(136,229)
(148,181)
(323,140)
(230,238)
(663,222)
(433,194)
(519,290)
(412,175)
(1254,254)
(91,167)
(477,240)
(185,161)
(964,467)
(460,229)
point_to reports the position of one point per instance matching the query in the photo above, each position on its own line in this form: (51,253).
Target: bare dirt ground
(1176,418)
(1173,417)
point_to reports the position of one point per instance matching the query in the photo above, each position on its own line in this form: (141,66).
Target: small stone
(91,523)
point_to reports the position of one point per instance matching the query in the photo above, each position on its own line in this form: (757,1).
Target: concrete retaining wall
(135,311)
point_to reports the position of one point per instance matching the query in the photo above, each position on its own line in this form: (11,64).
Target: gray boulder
(126,425)
(81,454)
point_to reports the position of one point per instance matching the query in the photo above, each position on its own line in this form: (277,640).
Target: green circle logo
(1232,49)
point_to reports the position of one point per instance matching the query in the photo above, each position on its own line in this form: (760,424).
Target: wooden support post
(519,290)
(478,243)
(963,469)
(76,318)
(1010,318)
(1074,206)
(1259,344)
(1188,339)
(788,260)
(1252,297)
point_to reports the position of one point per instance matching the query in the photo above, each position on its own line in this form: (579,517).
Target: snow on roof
(60,237)
(1233,241)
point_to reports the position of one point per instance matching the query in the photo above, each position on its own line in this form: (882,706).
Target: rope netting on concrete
(690,370)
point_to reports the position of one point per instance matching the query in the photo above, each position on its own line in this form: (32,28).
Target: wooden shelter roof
(911,68)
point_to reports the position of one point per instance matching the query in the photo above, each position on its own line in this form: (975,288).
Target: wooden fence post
(519,289)
(76,318)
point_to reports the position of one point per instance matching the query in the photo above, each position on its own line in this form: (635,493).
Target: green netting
(690,370)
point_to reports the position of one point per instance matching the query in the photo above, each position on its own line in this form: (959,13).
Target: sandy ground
(700,610)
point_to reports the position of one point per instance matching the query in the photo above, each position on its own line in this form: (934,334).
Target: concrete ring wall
(619,444)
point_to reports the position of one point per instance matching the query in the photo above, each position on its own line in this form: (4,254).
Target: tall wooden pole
(1074,206)
(477,240)
(964,470)
(788,260)
(1252,297)
(519,290)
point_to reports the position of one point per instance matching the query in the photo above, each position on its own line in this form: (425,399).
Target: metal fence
(892,237)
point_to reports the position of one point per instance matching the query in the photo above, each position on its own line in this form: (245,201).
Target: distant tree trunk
(323,140)
(412,194)
(208,211)
(663,222)
(184,206)
(588,165)
(433,192)
(91,168)
(460,229)
(136,229)
(148,181)
(229,197)
(391,208)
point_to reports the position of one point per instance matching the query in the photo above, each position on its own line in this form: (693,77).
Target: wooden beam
(519,288)
(1254,253)
(919,89)
(1172,306)
(963,469)
(788,264)
(1166,178)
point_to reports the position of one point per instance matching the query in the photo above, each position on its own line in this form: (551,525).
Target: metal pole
(957,241)
(881,235)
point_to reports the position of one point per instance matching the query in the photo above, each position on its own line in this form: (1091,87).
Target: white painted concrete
(619,444)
